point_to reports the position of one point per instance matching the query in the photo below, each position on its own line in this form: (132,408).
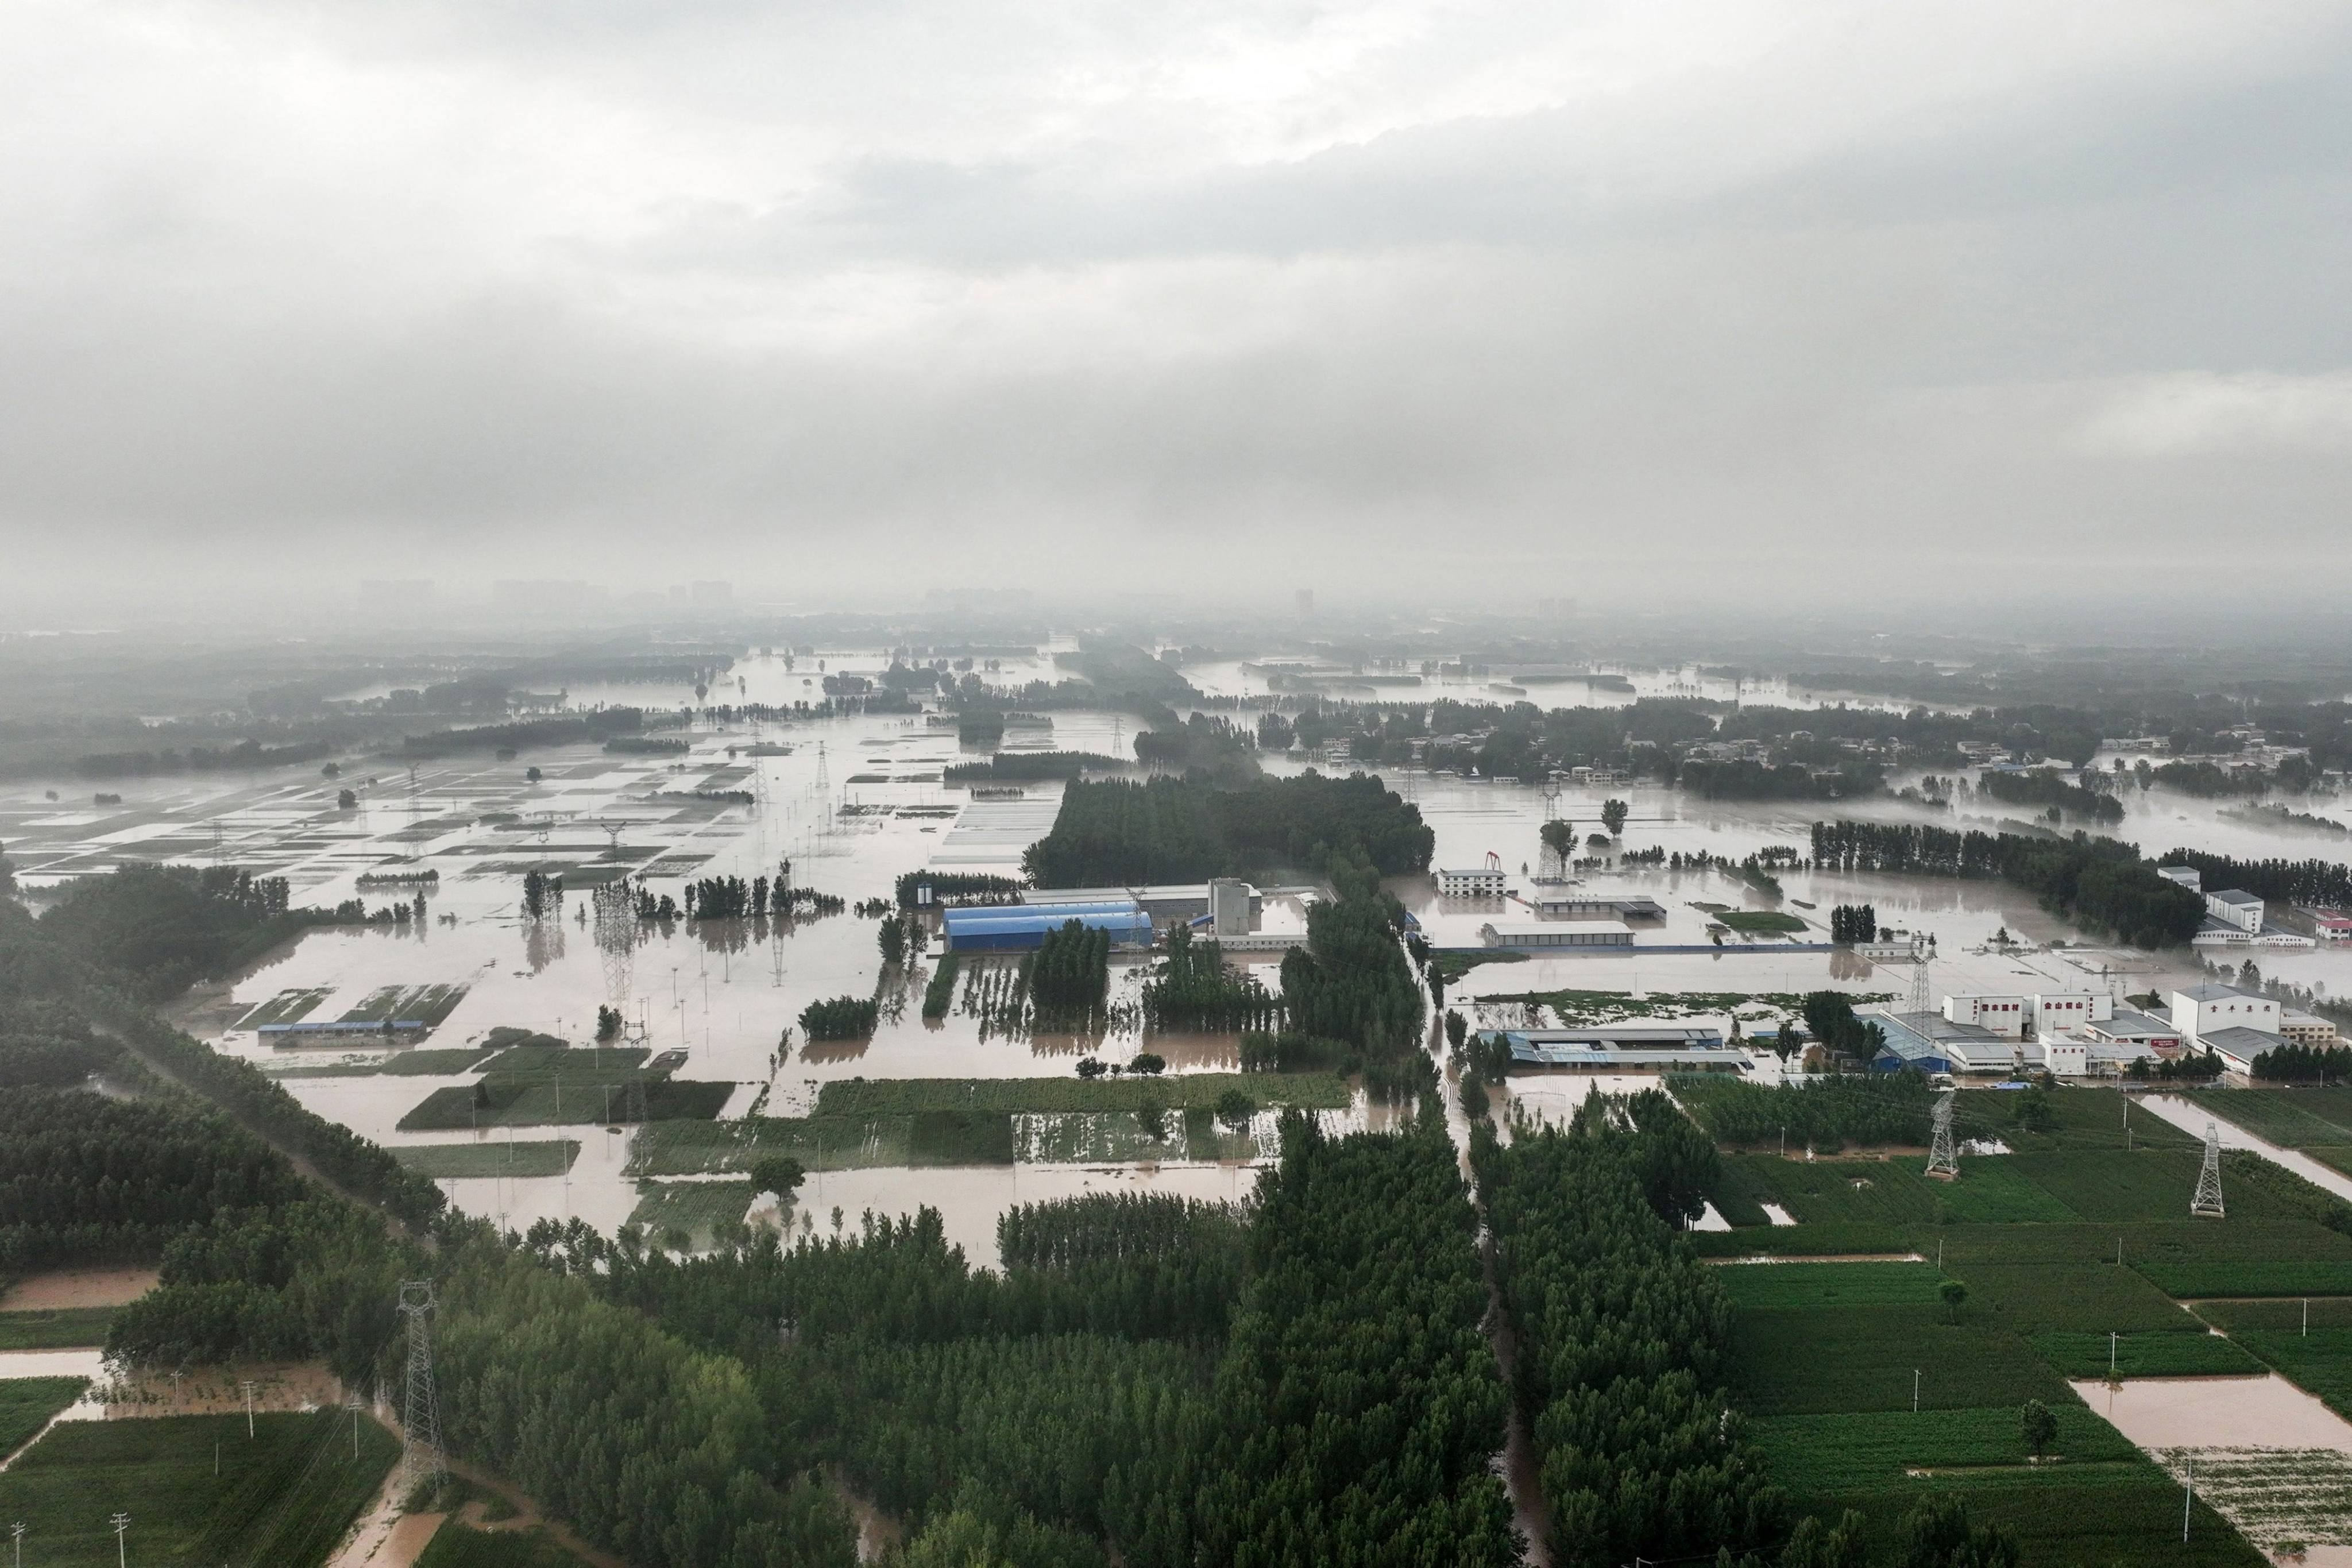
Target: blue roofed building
(1016,928)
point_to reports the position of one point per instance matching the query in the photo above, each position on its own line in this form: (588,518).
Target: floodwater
(68,1288)
(2271,1459)
(853,803)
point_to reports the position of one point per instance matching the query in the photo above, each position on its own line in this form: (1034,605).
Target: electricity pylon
(422,1462)
(2208,1201)
(1944,1158)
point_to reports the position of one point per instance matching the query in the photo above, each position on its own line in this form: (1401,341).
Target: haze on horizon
(1383,295)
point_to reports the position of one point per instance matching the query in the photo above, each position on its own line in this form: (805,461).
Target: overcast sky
(861,296)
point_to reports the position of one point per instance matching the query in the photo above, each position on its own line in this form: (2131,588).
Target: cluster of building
(2083,1034)
(2235,918)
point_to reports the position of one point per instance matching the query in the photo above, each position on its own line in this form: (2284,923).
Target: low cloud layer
(1400,299)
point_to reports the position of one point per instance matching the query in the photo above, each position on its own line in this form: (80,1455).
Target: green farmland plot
(56,1328)
(2107,1515)
(528,1102)
(693,1207)
(2290,1118)
(1021,1096)
(1851,1451)
(2092,1297)
(2146,1355)
(285,1007)
(2077,1118)
(1837,1285)
(283,1496)
(1843,1239)
(1806,1359)
(490,1157)
(27,1403)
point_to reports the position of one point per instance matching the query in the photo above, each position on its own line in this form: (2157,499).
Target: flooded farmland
(845,806)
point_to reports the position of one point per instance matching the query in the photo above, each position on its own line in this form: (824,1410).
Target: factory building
(1015,928)
(1546,934)
(1481,882)
(1621,1046)
(1597,906)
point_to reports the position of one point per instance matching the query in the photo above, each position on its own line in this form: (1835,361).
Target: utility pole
(248,1409)
(2188,1497)
(122,1522)
(352,1404)
(17,1534)
(1915,1391)
(2111,1354)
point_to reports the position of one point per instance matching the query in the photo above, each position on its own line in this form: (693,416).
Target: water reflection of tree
(542,943)
(1847,964)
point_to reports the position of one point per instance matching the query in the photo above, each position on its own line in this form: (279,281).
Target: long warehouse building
(1013,928)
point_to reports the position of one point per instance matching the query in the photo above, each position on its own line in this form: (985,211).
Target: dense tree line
(84,1178)
(1351,982)
(2210,780)
(1624,1338)
(245,754)
(1022,766)
(1362,1402)
(2328,883)
(1179,830)
(1068,976)
(1790,781)
(2297,1063)
(1193,988)
(1831,1017)
(598,724)
(840,1018)
(1853,922)
(1825,1114)
(958,887)
(2044,787)
(1206,744)
(162,928)
(2101,882)
(939,994)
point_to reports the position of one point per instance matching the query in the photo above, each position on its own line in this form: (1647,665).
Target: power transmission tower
(2208,1201)
(1944,1158)
(421,1463)
(1920,988)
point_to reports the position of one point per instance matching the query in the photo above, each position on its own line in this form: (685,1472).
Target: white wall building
(2063,1011)
(2236,908)
(2004,1015)
(2202,1010)
(1470,883)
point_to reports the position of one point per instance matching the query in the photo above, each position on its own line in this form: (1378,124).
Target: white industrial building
(1546,934)
(1600,906)
(2236,1026)
(1481,882)
(2004,1015)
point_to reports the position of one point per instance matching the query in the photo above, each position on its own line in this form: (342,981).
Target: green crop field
(1841,1239)
(2290,1118)
(285,1007)
(2319,1360)
(65,1327)
(434,1061)
(283,1496)
(2196,1279)
(537,1157)
(1838,1285)
(1798,1359)
(820,1143)
(528,1102)
(2233,1240)
(2100,1516)
(1869,1451)
(695,1207)
(426,1005)
(2083,1298)
(2073,1118)
(1027,1096)
(456,1546)
(2145,1355)
(584,1064)
(1891,1191)
(27,1403)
